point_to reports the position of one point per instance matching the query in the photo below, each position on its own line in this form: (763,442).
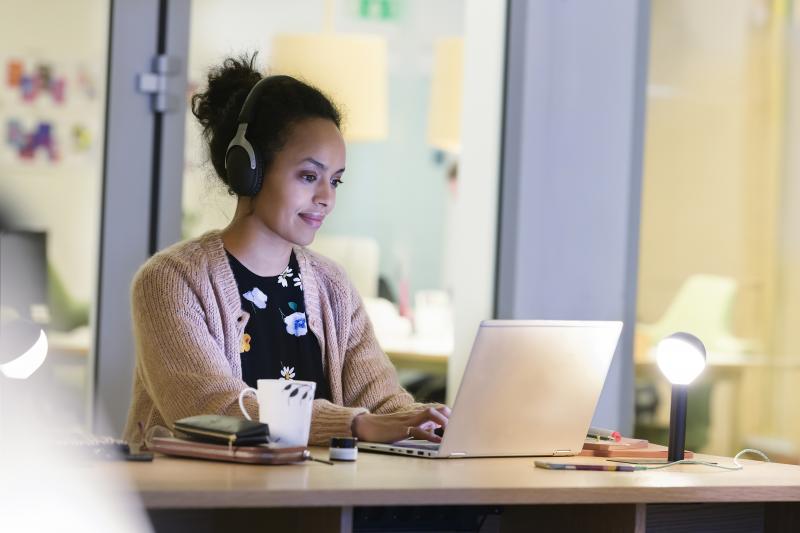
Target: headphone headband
(249,105)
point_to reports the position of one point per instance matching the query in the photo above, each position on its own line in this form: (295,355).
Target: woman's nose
(324,194)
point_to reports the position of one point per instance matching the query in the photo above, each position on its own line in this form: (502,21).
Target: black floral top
(277,343)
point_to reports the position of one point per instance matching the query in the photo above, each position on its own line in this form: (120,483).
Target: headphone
(243,165)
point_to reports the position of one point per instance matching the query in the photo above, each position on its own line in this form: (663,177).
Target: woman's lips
(314,221)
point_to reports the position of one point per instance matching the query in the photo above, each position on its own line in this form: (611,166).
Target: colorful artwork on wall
(27,144)
(46,108)
(37,81)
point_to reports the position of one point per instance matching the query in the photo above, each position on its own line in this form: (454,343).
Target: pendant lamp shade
(444,117)
(349,68)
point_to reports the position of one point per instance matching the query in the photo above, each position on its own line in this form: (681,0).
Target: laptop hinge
(558,453)
(458,454)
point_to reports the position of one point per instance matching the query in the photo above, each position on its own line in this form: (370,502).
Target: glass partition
(52,111)
(393,225)
(718,253)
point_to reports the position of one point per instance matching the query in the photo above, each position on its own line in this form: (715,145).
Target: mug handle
(241,403)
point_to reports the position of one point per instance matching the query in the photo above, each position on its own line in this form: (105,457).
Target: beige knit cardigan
(188,326)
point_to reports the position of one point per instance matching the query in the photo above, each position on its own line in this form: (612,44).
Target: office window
(719,232)
(52,111)
(393,225)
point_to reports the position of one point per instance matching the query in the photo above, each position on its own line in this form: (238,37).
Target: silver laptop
(530,388)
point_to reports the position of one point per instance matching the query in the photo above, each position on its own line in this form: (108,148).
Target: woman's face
(299,190)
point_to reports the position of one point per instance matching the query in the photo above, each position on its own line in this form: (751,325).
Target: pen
(599,437)
(604,434)
(579,466)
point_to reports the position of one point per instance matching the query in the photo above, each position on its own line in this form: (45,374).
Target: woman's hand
(398,426)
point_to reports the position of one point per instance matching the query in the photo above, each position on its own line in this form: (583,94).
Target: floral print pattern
(296,324)
(285,350)
(287,374)
(256,297)
(283,275)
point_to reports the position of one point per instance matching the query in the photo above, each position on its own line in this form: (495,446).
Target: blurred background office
(422,86)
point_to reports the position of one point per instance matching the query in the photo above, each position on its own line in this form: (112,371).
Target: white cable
(737,464)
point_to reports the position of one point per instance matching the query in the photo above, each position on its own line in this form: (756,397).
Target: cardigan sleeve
(182,366)
(368,377)
(369,381)
(331,420)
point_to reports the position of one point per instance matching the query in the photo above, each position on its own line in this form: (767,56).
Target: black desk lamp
(681,358)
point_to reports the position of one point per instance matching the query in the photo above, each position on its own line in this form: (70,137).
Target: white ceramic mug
(285,406)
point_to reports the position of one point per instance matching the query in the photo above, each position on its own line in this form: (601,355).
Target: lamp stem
(677,422)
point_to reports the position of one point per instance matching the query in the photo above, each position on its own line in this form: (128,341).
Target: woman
(215,314)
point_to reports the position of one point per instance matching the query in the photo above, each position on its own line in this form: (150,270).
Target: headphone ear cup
(241,178)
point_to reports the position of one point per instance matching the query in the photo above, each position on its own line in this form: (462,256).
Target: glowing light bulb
(681,357)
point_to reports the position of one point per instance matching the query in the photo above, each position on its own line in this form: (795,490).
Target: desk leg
(346,520)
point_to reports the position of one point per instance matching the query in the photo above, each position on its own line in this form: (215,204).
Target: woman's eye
(336,182)
(309,177)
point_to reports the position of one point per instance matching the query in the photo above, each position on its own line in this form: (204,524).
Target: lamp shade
(444,117)
(681,357)
(349,68)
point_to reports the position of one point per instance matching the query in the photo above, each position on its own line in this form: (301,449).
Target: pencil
(580,466)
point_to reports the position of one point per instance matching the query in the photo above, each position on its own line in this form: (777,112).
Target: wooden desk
(329,493)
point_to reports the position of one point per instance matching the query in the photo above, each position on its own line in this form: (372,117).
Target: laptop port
(420,453)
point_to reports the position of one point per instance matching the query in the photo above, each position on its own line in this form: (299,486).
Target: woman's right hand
(393,427)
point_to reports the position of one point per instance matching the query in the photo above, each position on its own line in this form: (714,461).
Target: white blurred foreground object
(26,364)
(47,486)
(23,349)
(681,358)
(48,491)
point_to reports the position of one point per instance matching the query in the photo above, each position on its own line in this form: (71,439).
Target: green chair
(702,306)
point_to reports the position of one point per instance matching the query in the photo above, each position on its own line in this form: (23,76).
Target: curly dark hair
(283,102)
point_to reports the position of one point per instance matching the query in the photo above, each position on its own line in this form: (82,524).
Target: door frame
(143,162)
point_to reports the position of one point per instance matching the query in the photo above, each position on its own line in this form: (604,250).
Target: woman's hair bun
(217,109)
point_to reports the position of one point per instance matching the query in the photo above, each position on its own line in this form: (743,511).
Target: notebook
(530,388)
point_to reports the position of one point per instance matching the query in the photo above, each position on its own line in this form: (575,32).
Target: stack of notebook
(626,447)
(223,438)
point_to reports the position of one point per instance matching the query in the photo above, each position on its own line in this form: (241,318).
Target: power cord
(737,464)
